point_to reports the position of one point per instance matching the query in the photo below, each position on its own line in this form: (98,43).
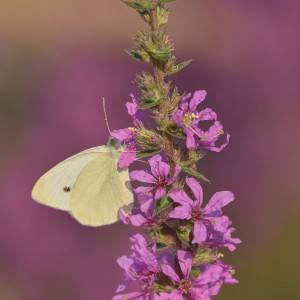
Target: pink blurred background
(59,58)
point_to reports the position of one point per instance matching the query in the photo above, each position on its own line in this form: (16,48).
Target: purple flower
(219,239)
(160,177)
(128,135)
(206,140)
(207,218)
(140,266)
(207,284)
(188,117)
(216,275)
(144,215)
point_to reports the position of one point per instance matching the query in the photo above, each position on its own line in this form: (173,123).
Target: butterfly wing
(55,188)
(100,190)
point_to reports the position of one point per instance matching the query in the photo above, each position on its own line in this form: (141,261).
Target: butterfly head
(114,143)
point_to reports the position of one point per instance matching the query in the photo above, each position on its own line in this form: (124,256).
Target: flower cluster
(188,117)
(174,215)
(181,258)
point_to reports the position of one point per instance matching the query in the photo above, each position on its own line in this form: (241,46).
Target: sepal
(195,272)
(185,234)
(162,204)
(203,256)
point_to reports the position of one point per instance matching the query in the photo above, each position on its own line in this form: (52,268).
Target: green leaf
(194,173)
(149,103)
(195,272)
(146,153)
(141,5)
(162,204)
(134,55)
(178,67)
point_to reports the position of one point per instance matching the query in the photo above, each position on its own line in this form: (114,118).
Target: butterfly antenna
(105,116)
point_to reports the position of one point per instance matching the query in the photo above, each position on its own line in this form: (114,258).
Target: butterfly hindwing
(100,190)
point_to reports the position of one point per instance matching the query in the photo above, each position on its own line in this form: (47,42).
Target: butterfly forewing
(55,188)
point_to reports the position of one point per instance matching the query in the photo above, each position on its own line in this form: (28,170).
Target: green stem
(159,77)
(155,32)
(163,108)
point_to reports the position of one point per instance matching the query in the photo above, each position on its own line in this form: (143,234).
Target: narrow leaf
(178,67)
(149,103)
(194,173)
(134,55)
(146,153)
(162,204)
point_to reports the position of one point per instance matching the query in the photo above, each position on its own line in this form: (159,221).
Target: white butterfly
(88,185)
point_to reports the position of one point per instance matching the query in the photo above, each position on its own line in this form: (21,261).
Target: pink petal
(124,217)
(132,107)
(122,134)
(154,161)
(177,117)
(184,102)
(219,200)
(180,212)
(160,192)
(207,114)
(142,176)
(163,170)
(200,233)
(175,175)
(169,271)
(212,274)
(218,149)
(148,207)
(185,260)
(179,196)
(138,220)
(126,159)
(190,141)
(196,189)
(198,97)
(147,190)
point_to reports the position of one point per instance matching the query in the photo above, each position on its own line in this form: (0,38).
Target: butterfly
(88,185)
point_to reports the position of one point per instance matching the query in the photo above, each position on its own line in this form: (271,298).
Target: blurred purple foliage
(247,58)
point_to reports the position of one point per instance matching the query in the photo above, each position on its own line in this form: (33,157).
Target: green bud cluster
(149,139)
(157,49)
(151,93)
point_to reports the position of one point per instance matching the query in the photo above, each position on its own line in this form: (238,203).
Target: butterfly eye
(67,189)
